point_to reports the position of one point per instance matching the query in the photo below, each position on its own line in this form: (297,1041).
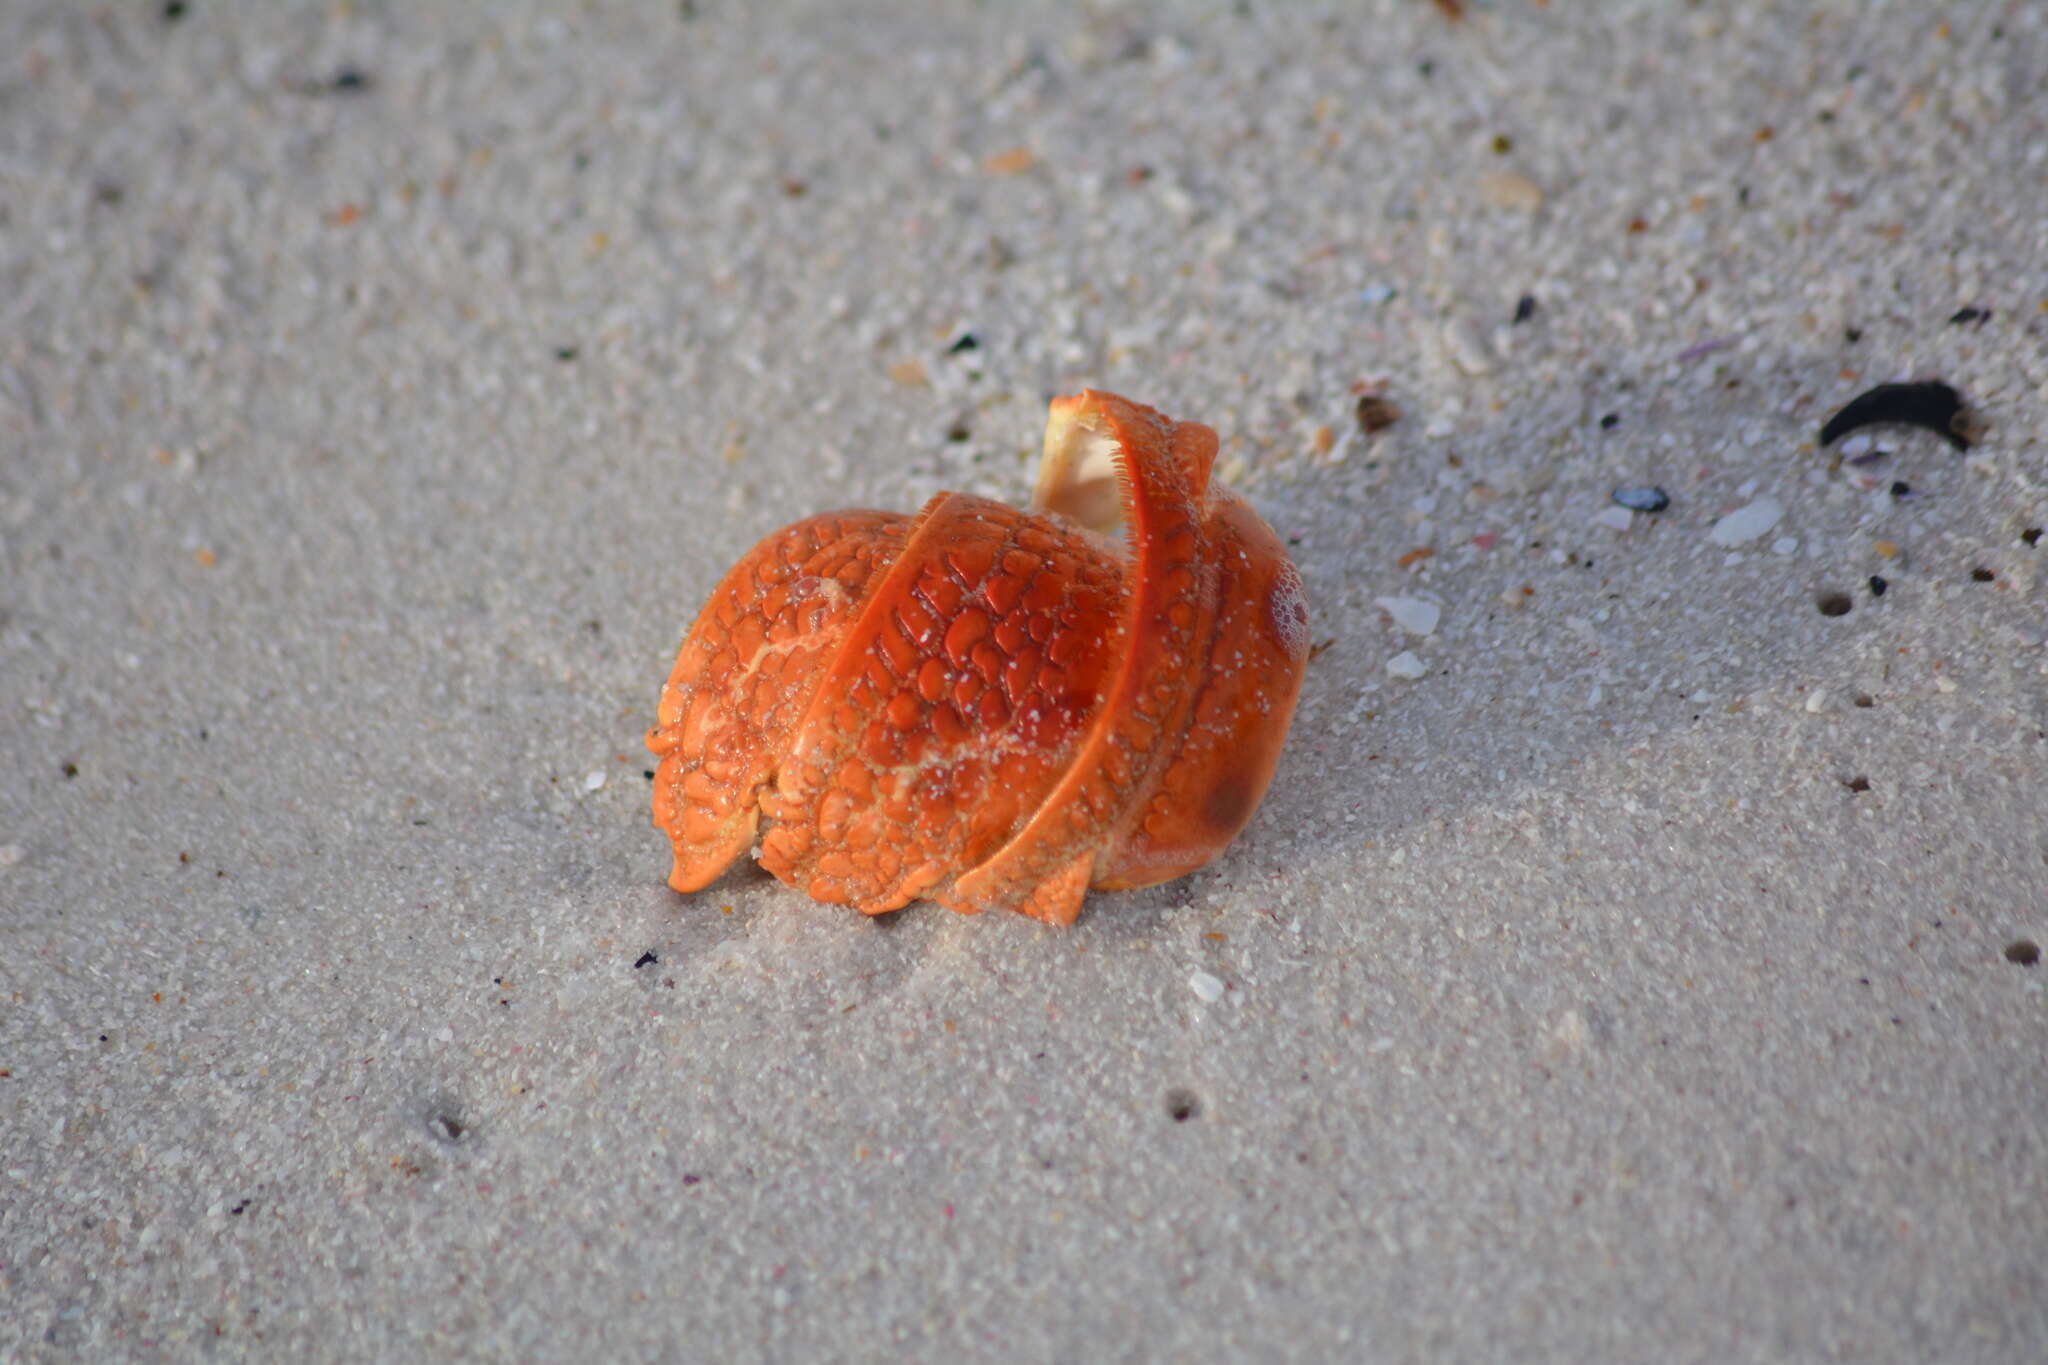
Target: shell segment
(954,705)
(1158,463)
(745,676)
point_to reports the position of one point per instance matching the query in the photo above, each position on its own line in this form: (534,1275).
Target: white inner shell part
(1077,477)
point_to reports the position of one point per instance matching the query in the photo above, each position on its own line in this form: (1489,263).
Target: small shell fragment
(1511,190)
(1747,522)
(1411,614)
(1647,498)
(1406,665)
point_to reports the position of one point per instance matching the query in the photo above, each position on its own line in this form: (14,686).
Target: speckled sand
(382,388)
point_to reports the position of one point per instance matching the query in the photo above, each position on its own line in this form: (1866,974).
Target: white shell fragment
(1747,522)
(1406,665)
(1468,349)
(1208,989)
(1411,614)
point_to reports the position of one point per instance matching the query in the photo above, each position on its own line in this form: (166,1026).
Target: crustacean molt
(987,707)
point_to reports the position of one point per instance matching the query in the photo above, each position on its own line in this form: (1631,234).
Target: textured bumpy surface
(747,672)
(988,707)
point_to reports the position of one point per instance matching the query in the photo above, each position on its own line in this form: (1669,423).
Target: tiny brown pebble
(1324,439)
(1864,699)
(1834,604)
(2024,951)
(2032,535)
(1638,225)
(1012,162)
(1886,548)
(1376,413)
(908,373)
(205,559)
(1414,556)
(1857,784)
(1982,575)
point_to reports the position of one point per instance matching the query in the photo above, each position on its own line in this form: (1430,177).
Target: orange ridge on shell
(989,707)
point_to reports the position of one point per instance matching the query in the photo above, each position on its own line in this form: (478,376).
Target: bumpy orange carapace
(987,707)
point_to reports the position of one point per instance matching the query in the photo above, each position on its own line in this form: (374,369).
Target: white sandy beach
(1637,969)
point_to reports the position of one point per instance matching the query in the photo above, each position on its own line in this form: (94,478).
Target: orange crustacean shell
(987,707)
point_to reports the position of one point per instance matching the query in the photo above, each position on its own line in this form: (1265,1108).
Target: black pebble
(1834,604)
(1931,404)
(1525,308)
(1877,586)
(647,959)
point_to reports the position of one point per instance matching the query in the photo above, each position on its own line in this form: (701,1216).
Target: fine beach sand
(1633,962)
